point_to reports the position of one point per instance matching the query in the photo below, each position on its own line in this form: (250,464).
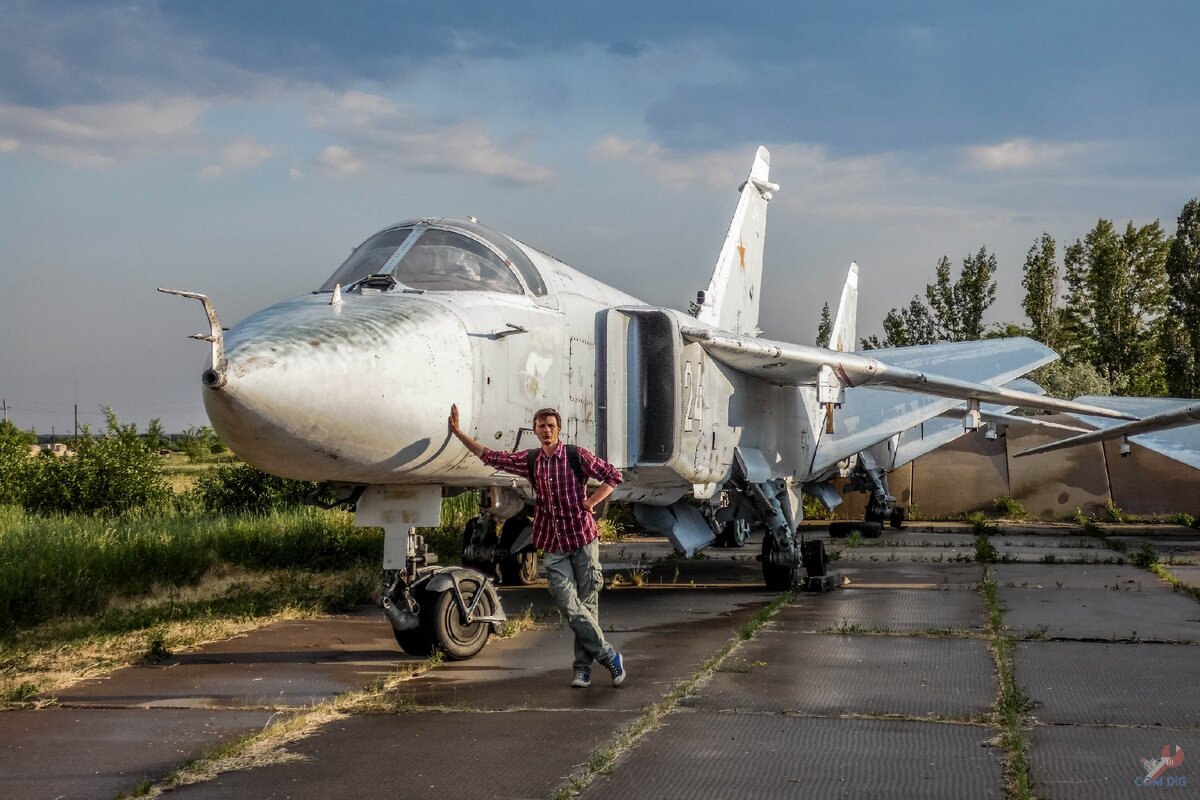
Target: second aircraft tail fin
(732,298)
(843,337)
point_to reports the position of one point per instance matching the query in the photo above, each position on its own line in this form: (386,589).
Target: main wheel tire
(484,533)
(517,569)
(520,569)
(897,518)
(777,577)
(442,620)
(812,555)
(842,529)
(734,533)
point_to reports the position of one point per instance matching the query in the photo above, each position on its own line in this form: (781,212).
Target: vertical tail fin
(844,336)
(731,300)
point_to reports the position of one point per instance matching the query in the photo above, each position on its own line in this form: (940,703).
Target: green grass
(79,565)
(1012,705)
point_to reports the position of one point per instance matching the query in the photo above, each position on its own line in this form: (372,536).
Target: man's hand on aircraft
(452,422)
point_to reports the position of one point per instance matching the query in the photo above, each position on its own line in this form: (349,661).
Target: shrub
(1010,508)
(14,462)
(1114,513)
(200,443)
(1183,519)
(231,488)
(109,474)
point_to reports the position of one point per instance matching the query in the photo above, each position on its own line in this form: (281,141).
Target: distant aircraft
(1168,425)
(715,428)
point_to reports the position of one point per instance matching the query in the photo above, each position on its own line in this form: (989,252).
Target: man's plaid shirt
(561,523)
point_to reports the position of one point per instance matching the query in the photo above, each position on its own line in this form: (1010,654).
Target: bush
(109,475)
(200,444)
(14,462)
(232,488)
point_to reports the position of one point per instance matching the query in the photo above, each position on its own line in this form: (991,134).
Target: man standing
(565,530)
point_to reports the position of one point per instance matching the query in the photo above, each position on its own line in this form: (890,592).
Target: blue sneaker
(616,668)
(582,679)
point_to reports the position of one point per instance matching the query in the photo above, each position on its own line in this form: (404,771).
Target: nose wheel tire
(416,641)
(444,623)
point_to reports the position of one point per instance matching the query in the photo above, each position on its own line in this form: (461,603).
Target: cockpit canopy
(441,255)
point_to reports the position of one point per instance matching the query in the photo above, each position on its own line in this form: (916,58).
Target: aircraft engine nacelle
(665,403)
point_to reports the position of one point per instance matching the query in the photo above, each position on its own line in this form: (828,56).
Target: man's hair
(542,413)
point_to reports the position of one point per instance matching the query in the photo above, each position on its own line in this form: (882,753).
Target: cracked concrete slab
(1074,576)
(664,636)
(447,756)
(893,610)
(74,754)
(284,665)
(1145,612)
(1111,684)
(834,675)
(902,574)
(1069,762)
(702,755)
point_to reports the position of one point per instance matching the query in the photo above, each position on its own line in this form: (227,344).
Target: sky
(241,149)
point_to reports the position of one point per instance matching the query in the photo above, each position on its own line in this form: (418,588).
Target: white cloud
(713,167)
(1023,153)
(9,145)
(242,153)
(387,134)
(295,174)
(334,160)
(104,135)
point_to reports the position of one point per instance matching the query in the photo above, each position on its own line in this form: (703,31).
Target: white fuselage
(359,391)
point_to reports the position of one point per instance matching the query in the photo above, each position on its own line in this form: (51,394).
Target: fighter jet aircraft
(715,429)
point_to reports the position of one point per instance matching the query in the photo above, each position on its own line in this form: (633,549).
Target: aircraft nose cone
(355,392)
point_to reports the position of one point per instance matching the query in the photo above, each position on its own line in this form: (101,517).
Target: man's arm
(597,497)
(471,444)
(601,470)
(513,463)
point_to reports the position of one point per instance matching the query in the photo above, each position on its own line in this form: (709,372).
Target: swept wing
(1168,425)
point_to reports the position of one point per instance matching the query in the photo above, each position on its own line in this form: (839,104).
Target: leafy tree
(825,329)
(200,443)
(973,293)
(155,437)
(952,310)
(1062,379)
(1041,291)
(1117,293)
(1181,345)
(14,461)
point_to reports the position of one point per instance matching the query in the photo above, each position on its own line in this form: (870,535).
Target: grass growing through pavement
(603,757)
(1012,704)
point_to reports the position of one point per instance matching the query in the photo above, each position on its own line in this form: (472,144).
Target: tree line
(1122,308)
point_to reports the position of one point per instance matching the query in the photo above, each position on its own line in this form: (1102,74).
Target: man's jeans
(574,580)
